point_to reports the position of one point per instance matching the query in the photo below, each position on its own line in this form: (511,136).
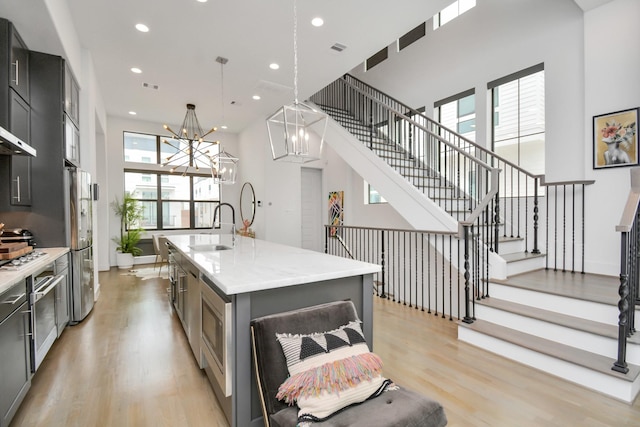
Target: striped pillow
(329,371)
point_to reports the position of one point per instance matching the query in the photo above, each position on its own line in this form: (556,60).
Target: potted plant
(130,213)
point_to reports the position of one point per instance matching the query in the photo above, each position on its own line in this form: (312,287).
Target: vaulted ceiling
(178,54)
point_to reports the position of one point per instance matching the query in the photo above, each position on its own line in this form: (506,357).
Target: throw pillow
(329,371)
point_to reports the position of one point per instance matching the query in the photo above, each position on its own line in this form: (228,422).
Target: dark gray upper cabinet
(15,116)
(71,97)
(20,126)
(19,65)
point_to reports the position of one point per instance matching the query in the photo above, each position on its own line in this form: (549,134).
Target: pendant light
(188,145)
(223,165)
(296,131)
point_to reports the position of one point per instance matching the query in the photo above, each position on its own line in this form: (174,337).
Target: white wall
(114,186)
(612,61)
(589,70)
(277,186)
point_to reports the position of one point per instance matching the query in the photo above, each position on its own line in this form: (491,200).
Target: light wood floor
(129,364)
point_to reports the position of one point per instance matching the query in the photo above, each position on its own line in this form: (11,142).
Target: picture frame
(615,139)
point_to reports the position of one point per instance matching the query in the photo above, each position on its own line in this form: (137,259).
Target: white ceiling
(186,36)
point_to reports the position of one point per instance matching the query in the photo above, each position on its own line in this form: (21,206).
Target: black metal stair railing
(432,271)
(629,289)
(565,225)
(491,198)
(406,138)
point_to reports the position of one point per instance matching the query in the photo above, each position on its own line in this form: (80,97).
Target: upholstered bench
(397,406)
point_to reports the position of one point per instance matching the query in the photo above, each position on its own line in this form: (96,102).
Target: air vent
(150,86)
(338,47)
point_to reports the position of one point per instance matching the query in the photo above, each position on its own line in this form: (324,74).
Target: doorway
(312,209)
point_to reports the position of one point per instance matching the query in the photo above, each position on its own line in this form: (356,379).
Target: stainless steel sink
(209,248)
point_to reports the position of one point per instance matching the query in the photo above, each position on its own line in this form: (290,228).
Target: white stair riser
(597,312)
(511,247)
(530,264)
(609,385)
(593,343)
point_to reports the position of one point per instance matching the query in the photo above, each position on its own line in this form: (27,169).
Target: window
(412,36)
(372,197)
(458,113)
(140,147)
(451,12)
(519,118)
(169,201)
(376,58)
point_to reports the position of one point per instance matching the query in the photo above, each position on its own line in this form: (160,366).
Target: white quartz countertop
(10,277)
(254,265)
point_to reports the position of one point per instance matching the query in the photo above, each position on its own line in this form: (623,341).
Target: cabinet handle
(17,79)
(18,298)
(17,180)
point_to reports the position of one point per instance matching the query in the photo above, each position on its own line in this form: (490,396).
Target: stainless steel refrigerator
(81,241)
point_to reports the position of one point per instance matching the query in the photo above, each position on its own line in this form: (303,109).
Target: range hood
(13,146)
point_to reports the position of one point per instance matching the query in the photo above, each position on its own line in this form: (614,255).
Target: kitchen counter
(259,278)
(253,265)
(9,277)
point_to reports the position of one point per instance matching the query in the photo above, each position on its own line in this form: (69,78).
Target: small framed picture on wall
(615,139)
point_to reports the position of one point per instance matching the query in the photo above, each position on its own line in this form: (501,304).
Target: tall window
(169,201)
(518,118)
(458,113)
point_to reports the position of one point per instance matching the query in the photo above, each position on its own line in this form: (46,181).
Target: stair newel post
(535,250)
(496,219)
(326,240)
(620,365)
(370,124)
(633,276)
(467,297)
(382,263)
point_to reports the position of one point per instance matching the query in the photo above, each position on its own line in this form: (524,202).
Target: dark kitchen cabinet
(15,116)
(50,193)
(20,126)
(72,118)
(19,65)
(71,97)
(14,68)
(61,268)
(15,369)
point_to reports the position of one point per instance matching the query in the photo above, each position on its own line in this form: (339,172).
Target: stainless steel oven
(216,338)
(44,329)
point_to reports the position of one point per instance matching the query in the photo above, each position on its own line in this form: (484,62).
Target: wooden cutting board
(15,254)
(11,247)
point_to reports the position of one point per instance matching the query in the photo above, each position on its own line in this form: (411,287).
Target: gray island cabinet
(242,278)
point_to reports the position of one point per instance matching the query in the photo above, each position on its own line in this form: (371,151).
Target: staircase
(535,306)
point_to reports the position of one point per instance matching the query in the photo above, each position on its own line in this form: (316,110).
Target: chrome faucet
(233,218)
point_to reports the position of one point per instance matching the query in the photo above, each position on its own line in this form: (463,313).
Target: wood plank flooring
(129,364)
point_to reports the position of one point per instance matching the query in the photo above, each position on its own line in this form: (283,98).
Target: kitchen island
(256,278)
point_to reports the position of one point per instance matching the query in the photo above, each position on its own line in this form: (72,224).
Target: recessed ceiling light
(133,113)
(256,97)
(274,66)
(317,22)
(136,70)
(142,28)
(223,126)
(202,1)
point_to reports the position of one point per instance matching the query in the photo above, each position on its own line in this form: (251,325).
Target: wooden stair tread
(520,256)
(560,351)
(586,287)
(581,324)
